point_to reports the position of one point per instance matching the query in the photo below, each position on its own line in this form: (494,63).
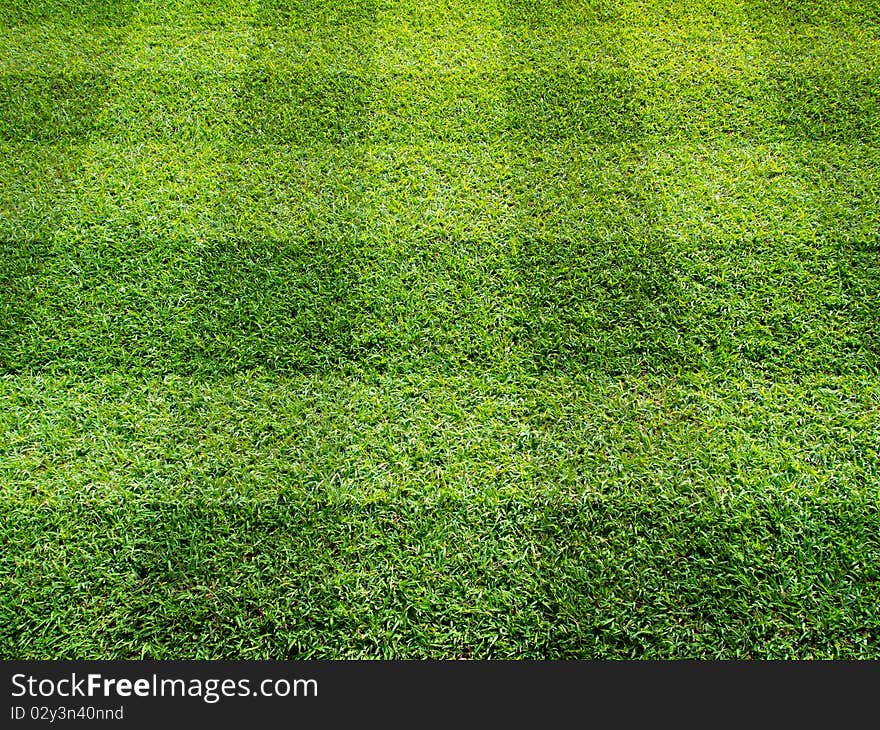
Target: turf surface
(439,329)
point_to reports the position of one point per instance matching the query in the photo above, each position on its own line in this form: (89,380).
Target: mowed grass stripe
(99,14)
(619,260)
(755,14)
(88,13)
(384,83)
(471,436)
(775,578)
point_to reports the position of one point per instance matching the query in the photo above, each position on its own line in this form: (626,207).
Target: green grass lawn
(439,328)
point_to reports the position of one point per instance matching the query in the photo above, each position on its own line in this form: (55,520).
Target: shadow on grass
(811,12)
(671,578)
(316,12)
(214,308)
(287,306)
(638,307)
(552,104)
(617,308)
(301,108)
(859,272)
(21,267)
(826,106)
(69,12)
(46,108)
(541,13)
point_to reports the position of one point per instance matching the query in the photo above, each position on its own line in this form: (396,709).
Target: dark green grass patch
(94,306)
(317,12)
(98,14)
(813,12)
(21,265)
(74,12)
(589,105)
(280,306)
(210,308)
(610,302)
(138,107)
(706,105)
(830,106)
(739,263)
(47,108)
(541,13)
(641,305)
(301,108)
(770,578)
(569,83)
